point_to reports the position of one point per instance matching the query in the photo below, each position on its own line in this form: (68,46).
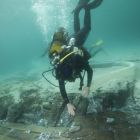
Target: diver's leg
(82,34)
(87,21)
(81,4)
(76,21)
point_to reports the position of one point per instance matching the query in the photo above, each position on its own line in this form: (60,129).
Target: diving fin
(81,4)
(94,4)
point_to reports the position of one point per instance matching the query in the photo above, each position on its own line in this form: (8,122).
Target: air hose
(43,74)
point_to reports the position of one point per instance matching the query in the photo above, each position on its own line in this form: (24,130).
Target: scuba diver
(67,54)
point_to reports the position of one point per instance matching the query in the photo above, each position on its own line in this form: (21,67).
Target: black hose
(43,74)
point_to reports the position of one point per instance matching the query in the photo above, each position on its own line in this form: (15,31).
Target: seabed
(32,109)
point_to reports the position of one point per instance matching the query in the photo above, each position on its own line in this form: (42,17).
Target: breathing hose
(43,74)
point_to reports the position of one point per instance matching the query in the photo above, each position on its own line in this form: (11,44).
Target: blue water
(26,28)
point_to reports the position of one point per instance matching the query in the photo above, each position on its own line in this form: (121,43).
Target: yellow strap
(61,60)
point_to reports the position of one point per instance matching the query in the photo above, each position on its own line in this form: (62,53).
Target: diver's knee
(76,11)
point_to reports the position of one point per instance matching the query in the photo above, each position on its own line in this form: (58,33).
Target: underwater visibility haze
(26,28)
(32,109)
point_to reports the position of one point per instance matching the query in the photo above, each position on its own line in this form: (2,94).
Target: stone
(110,120)
(5,102)
(74,129)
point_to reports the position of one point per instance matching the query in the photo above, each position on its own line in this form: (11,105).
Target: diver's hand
(85,91)
(71,109)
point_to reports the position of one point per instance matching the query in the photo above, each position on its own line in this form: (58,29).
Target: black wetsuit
(80,36)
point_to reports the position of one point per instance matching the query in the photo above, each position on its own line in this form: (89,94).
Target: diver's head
(55,48)
(61,35)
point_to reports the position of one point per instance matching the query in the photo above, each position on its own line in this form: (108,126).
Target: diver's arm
(89,74)
(63,91)
(71,108)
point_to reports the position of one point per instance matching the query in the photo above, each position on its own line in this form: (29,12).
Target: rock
(110,120)
(30,96)
(2,122)
(74,128)
(95,105)
(44,136)
(16,134)
(42,122)
(81,103)
(15,112)
(82,106)
(134,119)
(5,102)
(108,99)
(46,105)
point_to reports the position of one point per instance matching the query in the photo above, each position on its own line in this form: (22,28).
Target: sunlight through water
(51,15)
